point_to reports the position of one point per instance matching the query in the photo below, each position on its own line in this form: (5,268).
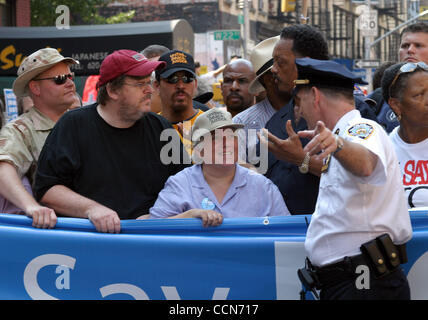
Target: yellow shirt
(186,137)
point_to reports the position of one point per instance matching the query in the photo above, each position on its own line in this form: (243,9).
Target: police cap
(325,73)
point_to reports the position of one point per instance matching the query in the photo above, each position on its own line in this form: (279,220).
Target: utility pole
(367,52)
(244,21)
(246,34)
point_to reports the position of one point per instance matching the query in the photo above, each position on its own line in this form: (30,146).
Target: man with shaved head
(237,77)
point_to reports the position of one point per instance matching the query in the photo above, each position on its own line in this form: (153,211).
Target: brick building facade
(202,15)
(15,13)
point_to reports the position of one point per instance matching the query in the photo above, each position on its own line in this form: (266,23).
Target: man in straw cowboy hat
(46,77)
(255,117)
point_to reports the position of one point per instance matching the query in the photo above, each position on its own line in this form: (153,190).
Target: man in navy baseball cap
(175,61)
(177,84)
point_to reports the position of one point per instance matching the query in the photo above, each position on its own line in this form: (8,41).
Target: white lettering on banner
(220,293)
(65,263)
(289,256)
(33,268)
(133,291)
(171,293)
(418,280)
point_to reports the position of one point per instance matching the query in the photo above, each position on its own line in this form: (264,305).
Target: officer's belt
(380,255)
(339,271)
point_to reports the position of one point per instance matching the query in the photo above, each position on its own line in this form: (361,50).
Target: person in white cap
(45,76)
(256,117)
(216,187)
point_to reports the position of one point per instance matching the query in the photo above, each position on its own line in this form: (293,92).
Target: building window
(7,13)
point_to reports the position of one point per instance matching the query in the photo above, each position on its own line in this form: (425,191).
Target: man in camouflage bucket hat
(46,77)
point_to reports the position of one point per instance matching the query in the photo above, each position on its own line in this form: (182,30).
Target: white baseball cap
(215,118)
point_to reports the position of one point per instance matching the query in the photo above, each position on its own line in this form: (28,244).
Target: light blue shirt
(249,195)
(254,118)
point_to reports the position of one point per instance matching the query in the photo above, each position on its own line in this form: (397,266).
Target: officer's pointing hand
(322,141)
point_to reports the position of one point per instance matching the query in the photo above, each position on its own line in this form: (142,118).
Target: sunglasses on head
(60,79)
(407,68)
(175,79)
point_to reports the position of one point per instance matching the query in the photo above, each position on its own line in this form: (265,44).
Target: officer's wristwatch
(339,144)
(304,167)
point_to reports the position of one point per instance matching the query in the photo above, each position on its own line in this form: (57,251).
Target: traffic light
(288,5)
(241,4)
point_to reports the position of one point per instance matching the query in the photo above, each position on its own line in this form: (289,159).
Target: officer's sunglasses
(407,68)
(175,79)
(60,79)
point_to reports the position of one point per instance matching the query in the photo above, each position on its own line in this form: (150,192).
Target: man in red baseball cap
(102,162)
(130,69)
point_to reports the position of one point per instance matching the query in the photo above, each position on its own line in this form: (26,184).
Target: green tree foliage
(81,12)
(121,17)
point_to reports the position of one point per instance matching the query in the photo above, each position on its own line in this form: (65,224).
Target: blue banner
(245,258)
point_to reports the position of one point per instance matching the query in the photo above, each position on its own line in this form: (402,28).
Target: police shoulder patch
(361,130)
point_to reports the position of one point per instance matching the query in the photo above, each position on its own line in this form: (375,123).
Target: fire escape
(339,26)
(390,16)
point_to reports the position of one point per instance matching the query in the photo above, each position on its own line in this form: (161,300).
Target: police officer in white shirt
(356,239)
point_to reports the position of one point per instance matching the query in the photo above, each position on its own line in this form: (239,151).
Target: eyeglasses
(141,85)
(407,68)
(60,79)
(175,79)
(220,137)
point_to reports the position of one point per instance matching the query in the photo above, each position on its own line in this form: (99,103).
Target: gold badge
(178,57)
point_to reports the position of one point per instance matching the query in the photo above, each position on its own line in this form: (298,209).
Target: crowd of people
(293,138)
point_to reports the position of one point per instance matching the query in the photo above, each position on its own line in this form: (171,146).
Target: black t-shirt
(119,168)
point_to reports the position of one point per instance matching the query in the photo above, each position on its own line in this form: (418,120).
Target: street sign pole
(246,34)
(366,64)
(227,35)
(367,54)
(368,25)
